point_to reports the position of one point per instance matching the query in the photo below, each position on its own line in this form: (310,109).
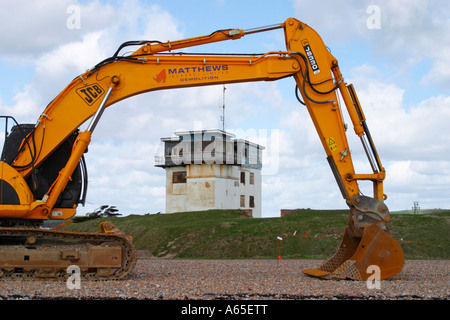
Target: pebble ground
(154,279)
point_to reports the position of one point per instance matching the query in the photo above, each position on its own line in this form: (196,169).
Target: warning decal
(331,142)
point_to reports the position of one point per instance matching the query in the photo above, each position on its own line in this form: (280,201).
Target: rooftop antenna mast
(223,109)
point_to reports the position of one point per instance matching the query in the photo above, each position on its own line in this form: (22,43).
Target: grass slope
(229,234)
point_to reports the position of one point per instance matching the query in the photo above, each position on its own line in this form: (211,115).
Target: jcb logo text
(90,93)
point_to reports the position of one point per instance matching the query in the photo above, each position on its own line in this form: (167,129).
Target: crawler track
(32,253)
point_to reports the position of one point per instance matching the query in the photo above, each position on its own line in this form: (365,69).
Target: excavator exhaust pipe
(366,245)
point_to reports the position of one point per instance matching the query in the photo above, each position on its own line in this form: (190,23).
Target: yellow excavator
(43,173)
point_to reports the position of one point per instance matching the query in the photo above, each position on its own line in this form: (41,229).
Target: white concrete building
(209,169)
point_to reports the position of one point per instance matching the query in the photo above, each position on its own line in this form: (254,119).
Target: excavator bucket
(356,254)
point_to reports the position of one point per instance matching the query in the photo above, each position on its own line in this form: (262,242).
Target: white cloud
(38,26)
(415,32)
(335,21)
(59,54)
(411,33)
(427,182)
(25,105)
(123,174)
(440,69)
(403,132)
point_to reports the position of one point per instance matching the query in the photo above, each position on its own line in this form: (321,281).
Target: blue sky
(401,71)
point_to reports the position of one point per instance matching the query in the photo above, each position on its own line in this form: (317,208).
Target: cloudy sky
(396,53)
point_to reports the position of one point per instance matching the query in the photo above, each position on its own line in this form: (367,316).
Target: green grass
(229,234)
(426,236)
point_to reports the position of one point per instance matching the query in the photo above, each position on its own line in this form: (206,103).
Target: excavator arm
(154,66)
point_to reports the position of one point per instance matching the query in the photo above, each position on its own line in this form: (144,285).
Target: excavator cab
(42,178)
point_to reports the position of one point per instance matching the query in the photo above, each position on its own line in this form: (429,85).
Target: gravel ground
(154,279)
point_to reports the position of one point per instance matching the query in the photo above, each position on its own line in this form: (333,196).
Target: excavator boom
(32,191)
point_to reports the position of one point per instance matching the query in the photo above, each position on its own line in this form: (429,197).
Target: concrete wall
(212,186)
(248,189)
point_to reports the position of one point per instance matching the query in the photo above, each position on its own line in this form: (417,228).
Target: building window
(251,201)
(179,177)
(242,200)
(243,177)
(252,178)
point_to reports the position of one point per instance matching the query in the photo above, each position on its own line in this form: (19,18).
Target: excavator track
(30,253)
